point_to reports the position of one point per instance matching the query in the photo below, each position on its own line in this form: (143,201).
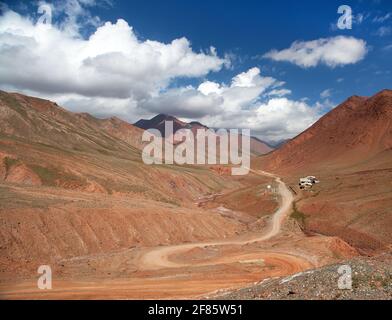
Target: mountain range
(75,193)
(350,151)
(358,131)
(257,146)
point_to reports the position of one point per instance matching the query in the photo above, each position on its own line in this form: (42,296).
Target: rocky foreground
(371,280)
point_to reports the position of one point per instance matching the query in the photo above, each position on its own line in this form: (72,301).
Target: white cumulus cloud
(211,98)
(240,104)
(333,52)
(113,72)
(112,62)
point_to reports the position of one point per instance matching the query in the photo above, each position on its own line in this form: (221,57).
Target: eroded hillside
(72,185)
(350,151)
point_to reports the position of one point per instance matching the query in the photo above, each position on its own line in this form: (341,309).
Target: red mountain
(357,131)
(350,151)
(257,146)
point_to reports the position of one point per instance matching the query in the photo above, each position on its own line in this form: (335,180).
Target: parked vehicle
(313,179)
(308,182)
(305,185)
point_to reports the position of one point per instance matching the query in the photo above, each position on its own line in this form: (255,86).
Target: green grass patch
(47,176)
(113,186)
(52,176)
(11,102)
(9,163)
(168,201)
(297,215)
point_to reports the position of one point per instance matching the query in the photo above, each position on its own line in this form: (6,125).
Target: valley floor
(275,247)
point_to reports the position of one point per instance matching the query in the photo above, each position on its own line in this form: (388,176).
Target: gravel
(371,280)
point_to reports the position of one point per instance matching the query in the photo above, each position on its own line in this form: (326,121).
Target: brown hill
(350,151)
(42,139)
(356,131)
(257,146)
(44,122)
(78,184)
(74,194)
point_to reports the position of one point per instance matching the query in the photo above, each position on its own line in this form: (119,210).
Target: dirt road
(177,272)
(160,257)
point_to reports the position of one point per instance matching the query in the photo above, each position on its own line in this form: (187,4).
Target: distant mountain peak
(164,117)
(258,146)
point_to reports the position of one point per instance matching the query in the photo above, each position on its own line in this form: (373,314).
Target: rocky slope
(371,279)
(41,121)
(356,131)
(71,184)
(350,151)
(257,146)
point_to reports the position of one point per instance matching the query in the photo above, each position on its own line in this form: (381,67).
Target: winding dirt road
(172,272)
(159,258)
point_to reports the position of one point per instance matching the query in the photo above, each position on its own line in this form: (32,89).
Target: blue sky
(252,28)
(242,32)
